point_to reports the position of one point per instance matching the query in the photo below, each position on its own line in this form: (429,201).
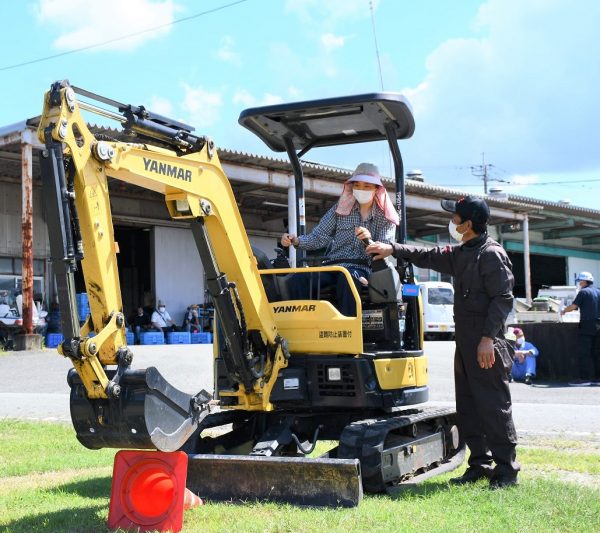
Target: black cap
(469,208)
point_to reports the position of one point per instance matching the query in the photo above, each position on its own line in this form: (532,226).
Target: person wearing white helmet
(588,339)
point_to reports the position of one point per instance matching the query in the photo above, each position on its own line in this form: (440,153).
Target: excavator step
(295,480)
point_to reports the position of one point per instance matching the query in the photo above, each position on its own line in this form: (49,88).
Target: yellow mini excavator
(287,373)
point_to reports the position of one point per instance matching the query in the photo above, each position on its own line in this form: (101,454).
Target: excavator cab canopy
(297,127)
(331,121)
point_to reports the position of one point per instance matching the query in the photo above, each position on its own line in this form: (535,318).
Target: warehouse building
(549,242)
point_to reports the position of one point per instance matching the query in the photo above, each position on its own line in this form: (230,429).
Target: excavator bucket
(148,414)
(295,480)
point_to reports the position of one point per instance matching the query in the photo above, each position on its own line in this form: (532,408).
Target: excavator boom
(123,407)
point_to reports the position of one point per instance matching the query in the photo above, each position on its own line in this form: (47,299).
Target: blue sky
(516,81)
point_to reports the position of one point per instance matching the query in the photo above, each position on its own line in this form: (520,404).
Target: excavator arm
(123,407)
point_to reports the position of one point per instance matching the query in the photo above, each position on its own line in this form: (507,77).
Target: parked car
(438,314)
(11,321)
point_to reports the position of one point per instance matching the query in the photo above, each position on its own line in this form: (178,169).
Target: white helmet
(585,276)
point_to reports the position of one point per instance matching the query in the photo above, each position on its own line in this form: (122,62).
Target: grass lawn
(49,482)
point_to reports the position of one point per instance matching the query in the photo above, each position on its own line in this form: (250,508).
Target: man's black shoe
(502,482)
(528,380)
(473,474)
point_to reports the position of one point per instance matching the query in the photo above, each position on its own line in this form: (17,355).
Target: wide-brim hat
(366,172)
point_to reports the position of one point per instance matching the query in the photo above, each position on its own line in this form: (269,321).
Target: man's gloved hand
(485,353)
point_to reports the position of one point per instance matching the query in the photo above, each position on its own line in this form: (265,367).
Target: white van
(438,304)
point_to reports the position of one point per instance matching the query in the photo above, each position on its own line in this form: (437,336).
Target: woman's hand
(380,250)
(288,239)
(362,233)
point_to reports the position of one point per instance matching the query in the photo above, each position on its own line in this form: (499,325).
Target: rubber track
(365,440)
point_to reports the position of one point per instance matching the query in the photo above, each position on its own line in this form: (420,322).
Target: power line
(546,183)
(376,45)
(593,180)
(123,37)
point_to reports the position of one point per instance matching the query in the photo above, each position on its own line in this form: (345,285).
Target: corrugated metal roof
(317,170)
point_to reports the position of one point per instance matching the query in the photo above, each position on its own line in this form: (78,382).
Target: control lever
(376,264)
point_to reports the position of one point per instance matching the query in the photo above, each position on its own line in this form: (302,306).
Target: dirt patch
(50,479)
(566,476)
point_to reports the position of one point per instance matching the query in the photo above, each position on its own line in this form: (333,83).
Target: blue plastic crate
(130,337)
(152,337)
(202,338)
(53,339)
(178,337)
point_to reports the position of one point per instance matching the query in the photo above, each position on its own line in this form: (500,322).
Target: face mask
(454,232)
(520,341)
(363,197)
(162,309)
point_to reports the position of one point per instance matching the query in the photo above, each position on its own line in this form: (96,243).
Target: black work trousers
(483,402)
(588,350)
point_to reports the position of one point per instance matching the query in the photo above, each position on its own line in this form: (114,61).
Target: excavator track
(402,447)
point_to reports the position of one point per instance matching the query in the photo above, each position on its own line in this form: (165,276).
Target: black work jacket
(483,279)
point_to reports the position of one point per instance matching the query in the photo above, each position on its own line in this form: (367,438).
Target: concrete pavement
(33,386)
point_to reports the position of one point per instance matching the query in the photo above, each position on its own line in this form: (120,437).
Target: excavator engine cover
(148,414)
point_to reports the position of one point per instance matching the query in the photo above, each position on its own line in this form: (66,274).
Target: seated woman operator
(363,211)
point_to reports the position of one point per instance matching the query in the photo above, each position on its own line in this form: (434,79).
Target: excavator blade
(148,414)
(295,480)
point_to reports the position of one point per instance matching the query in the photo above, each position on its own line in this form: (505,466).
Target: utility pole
(482,171)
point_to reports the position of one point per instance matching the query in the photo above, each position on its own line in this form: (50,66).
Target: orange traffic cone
(148,491)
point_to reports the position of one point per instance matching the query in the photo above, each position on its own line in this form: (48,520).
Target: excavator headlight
(334,374)
(182,206)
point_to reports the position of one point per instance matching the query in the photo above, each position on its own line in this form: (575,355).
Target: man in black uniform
(483,283)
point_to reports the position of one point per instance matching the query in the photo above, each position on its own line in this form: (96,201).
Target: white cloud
(202,107)
(294,92)
(524,179)
(244,98)
(330,41)
(226,52)
(83,23)
(162,106)
(520,182)
(523,92)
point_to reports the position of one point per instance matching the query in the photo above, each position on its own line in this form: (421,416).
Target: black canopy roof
(330,121)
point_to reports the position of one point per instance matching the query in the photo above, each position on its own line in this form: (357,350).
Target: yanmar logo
(294,308)
(165,169)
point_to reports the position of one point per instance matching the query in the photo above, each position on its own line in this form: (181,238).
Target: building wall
(178,273)
(575,265)
(10,223)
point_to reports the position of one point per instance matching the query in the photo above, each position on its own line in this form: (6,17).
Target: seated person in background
(363,211)
(191,321)
(161,319)
(524,362)
(138,322)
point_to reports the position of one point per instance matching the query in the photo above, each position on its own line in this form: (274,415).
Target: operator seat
(274,285)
